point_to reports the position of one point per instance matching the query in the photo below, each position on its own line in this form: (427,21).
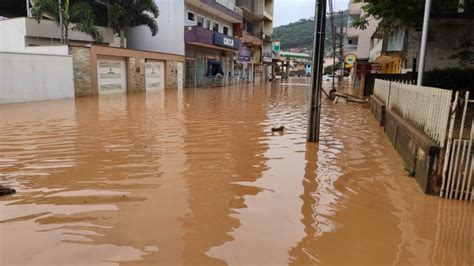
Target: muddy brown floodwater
(198,178)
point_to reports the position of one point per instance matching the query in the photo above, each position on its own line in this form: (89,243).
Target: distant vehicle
(328,77)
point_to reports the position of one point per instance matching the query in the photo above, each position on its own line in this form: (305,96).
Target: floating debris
(6,191)
(278,129)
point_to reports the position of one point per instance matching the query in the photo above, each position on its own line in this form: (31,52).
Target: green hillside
(300,34)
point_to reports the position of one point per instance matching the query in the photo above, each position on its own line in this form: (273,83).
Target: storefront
(244,67)
(210,58)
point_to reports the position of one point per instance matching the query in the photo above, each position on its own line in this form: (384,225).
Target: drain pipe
(424,42)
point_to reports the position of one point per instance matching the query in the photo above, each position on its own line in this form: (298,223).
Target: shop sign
(226,41)
(350,59)
(245,54)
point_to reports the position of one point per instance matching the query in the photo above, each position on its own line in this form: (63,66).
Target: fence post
(387,104)
(448,146)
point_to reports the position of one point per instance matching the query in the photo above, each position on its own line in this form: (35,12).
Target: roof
(294,55)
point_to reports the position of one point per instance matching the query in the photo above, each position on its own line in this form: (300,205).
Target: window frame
(193,14)
(203,20)
(214,23)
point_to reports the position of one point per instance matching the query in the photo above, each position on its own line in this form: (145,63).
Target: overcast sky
(287,11)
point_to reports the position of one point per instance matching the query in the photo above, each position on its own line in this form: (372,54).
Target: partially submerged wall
(419,152)
(35,77)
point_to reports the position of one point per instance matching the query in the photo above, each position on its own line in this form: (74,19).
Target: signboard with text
(226,41)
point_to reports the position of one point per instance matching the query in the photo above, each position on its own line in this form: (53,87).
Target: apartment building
(210,43)
(358,45)
(267,36)
(84,67)
(250,33)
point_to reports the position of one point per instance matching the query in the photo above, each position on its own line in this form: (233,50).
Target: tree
(132,13)
(465,55)
(407,12)
(80,14)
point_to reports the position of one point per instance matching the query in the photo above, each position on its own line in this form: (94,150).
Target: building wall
(171,75)
(202,55)
(207,16)
(443,41)
(170,37)
(136,75)
(12,35)
(363,36)
(35,77)
(82,71)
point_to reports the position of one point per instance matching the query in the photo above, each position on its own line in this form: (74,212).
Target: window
(191,16)
(225,30)
(207,24)
(215,27)
(200,21)
(214,68)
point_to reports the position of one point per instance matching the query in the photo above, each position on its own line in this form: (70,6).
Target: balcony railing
(267,15)
(203,37)
(230,5)
(251,38)
(350,47)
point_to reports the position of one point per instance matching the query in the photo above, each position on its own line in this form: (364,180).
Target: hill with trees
(300,34)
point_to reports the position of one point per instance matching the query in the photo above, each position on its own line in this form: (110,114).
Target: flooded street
(198,178)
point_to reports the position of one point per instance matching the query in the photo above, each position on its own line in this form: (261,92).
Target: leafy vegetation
(132,13)
(79,13)
(409,12)
(451,78)
(300,34)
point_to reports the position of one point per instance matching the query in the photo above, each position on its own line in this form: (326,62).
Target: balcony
(249,8)
(350,48)
(267,16)
(222,8)
(230,5)
(355,8)
(267,57)
(198,36)
(251,39)
(48,29)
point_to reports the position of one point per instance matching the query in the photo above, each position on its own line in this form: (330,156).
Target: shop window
(214,68)
(215,27)
(225,30)
(191,16)
(200,21)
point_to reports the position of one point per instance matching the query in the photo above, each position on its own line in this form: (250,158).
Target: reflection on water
(199,178)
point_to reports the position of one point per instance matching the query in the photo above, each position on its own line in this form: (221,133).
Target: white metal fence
(427,108)
(382,90)
(431,110)
(458,165)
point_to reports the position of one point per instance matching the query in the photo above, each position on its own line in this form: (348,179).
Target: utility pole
(316,80)
(341,51)
(424,42)
(61,20)
(28,12)
(333,36)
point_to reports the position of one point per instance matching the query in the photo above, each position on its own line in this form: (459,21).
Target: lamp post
(424,42)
